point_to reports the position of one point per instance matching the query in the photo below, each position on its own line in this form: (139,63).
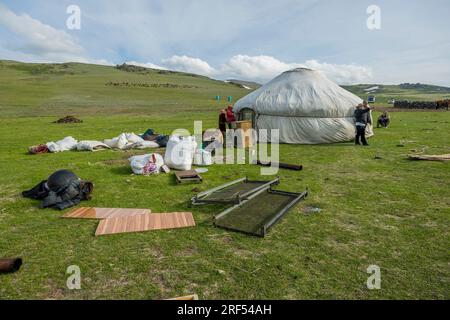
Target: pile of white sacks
(181,153)
(124,141)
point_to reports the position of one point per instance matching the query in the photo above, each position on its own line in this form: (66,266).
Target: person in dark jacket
(362,119)
(223,121)
(383,120)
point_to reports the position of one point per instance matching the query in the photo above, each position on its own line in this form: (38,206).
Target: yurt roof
(300,92)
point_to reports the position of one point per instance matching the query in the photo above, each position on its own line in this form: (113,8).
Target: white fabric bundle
(129,141)
(66,144)
(91,145)
(145,144)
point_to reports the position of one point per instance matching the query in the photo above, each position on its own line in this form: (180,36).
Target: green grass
(391,212)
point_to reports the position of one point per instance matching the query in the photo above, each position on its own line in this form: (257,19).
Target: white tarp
(305,106)
(91,145)
(129,141)
(66,144)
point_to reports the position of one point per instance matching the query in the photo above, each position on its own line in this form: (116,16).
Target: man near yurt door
(362,119)
(231,119)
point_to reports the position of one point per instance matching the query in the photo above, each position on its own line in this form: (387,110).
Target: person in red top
(231,119)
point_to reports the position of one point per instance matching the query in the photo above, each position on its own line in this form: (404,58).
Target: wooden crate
(245,126)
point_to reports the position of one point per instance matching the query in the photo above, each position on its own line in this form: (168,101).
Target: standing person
(231,119)
(362,118)
(223,121)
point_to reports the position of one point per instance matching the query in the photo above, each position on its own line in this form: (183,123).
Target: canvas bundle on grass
(433,157)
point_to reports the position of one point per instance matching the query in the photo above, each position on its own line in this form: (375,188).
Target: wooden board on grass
(103,213)
(190,297)
(145,222)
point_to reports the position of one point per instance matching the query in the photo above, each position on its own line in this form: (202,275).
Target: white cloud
(39,39)
(189,64)
(255,67)
(260,68)
(146,65)
(342,73)
(263,68)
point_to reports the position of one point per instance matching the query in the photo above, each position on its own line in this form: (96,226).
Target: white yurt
(305,106)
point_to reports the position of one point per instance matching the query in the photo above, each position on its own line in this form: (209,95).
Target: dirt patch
(188,251)
(68,119)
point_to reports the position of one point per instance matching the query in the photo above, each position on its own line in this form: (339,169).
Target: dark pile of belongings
(160,139)
(403,104)
(63,189)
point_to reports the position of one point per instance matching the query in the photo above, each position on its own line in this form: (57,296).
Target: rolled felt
(10,265)
(281,165)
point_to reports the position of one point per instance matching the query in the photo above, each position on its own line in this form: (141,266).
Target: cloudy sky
(246,39)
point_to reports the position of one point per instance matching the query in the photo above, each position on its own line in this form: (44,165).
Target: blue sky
(253,40)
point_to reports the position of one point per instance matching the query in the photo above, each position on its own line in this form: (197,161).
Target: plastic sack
(202,158)
(146,164)
(180,152)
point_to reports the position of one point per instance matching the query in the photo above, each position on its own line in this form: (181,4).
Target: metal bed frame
(202,197)
(263,226)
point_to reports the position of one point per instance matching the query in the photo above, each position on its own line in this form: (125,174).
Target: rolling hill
(33,89)
(59,89)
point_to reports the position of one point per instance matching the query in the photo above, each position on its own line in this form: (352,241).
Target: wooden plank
(145,222)
(190,297)
(103,213)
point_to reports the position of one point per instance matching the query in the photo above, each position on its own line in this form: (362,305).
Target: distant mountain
(405,91)
(412,87)
(424,87)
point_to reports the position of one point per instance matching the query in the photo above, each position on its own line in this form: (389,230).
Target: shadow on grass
(122,170)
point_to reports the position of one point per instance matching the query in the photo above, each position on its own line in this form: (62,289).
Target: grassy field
(387,211)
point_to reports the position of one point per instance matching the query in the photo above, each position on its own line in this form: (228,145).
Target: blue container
(230,98)
(218,98)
